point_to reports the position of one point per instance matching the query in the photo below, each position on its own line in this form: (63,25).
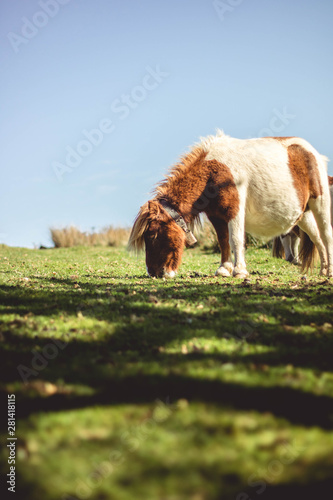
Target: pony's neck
(185,190)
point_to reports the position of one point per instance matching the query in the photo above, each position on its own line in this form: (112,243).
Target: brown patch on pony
(223,198)
(304,170)
(195,185)
(222,232)
(330,180)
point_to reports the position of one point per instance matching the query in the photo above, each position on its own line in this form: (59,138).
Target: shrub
(71,237)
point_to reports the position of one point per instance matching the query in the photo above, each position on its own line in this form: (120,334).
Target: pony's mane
(206,142)
(195,155)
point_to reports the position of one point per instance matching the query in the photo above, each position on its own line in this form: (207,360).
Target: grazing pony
(286,246)
(263,186)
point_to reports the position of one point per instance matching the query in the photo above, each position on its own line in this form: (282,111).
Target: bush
(71,237)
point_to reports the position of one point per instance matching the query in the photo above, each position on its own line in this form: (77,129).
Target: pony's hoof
(222,271)
(241,275)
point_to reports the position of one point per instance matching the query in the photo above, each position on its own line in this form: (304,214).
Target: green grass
(197,388)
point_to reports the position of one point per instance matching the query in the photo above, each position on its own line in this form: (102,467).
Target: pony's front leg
(221,227)
(237,237)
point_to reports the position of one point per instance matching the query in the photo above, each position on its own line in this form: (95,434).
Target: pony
(286,246)
(263,186)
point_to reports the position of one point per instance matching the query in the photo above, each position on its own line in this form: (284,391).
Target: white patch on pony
(169,274)
(272,204)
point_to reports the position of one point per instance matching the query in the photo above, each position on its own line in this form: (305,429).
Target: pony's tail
(277,248)
(308,253)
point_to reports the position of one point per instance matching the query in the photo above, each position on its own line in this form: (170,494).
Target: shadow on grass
(307,491)
(228,486)
(284,402)
(117,367)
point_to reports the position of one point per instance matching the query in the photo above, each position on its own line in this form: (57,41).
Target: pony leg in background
(221,227)
(309,226)
(286,240)
(286,246)
(330,182)
(290,244)
(322,212)
(295,240)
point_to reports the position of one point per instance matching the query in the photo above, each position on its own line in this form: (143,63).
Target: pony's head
(164,241)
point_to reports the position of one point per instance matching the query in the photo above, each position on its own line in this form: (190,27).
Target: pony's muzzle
(163,274)
(169,274)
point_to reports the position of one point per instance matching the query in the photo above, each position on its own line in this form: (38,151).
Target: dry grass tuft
(72,237)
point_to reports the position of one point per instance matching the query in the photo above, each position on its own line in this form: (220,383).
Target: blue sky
(120,89)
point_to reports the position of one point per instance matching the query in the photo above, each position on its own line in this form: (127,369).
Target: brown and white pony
(263,186)
(287,245)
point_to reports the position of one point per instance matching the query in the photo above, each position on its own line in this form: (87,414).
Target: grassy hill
(197,388)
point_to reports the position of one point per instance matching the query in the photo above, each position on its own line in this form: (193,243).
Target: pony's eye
(151,235)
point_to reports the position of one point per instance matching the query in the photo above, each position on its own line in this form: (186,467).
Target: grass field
(196,388)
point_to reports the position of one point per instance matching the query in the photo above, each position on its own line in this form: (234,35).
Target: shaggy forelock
(136,240)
